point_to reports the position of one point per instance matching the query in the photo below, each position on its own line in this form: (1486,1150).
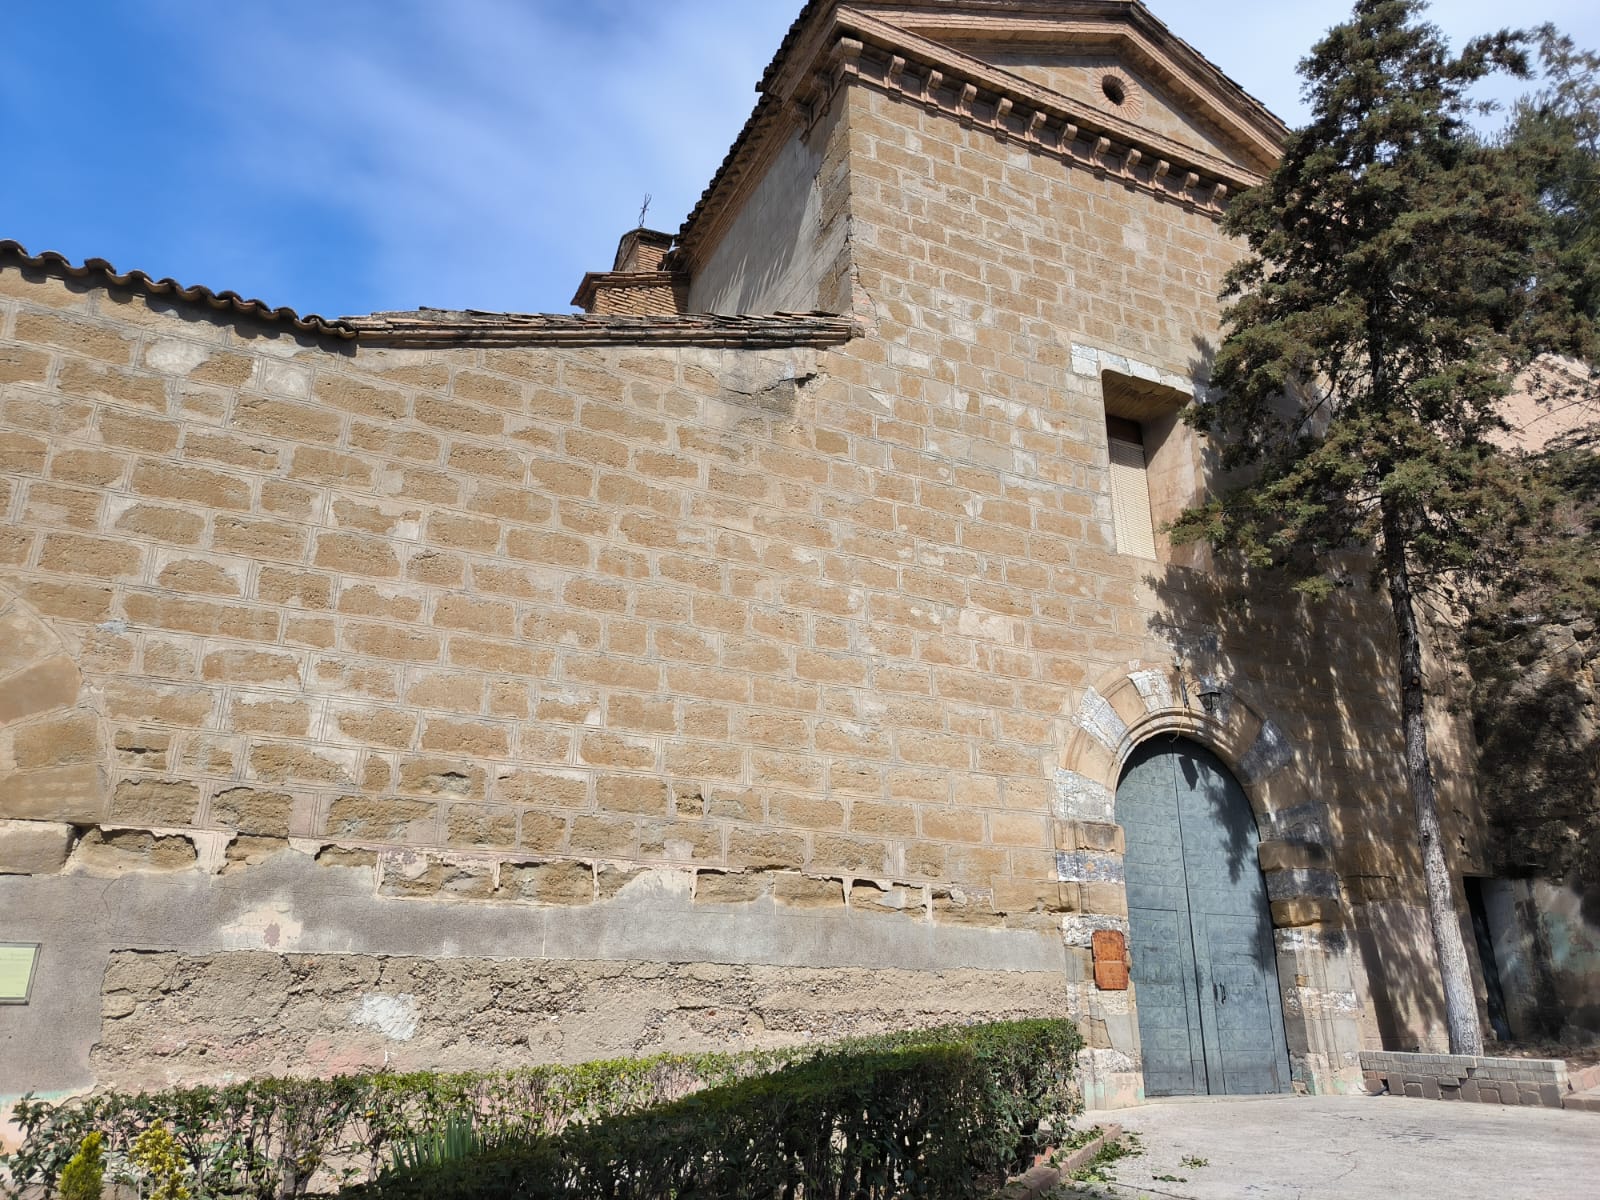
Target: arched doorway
(1210,1018)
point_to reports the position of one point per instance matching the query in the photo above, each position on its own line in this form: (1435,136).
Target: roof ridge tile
(101,271)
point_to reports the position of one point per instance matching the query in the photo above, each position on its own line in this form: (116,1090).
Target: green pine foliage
(1391,301)
(1556,133)
(1403,276)
(1532,645)
(1534,657)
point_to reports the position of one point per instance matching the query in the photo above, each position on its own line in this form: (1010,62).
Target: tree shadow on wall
(1322,672)
(1536,714)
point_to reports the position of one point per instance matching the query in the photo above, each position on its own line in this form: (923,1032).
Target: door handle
(1219,993)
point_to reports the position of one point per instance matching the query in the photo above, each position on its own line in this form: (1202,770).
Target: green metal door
(1204,973)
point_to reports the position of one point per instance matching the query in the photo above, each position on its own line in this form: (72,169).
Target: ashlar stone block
(34,847)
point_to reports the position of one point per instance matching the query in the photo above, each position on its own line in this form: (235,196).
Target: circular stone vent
(1120,94)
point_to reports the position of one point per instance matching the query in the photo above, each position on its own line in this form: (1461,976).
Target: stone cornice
(1126,30)
(1013,109)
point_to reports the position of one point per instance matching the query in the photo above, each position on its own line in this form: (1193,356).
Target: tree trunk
(1460,1003)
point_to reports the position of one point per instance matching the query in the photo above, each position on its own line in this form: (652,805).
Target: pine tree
(1530,641)
(1556,132)
(1402,276)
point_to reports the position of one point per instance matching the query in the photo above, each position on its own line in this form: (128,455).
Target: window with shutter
(1130,489)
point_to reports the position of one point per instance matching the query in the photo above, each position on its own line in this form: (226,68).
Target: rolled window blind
(1130,500)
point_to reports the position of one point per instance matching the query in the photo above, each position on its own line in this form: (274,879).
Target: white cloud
(485,153)
(491,151)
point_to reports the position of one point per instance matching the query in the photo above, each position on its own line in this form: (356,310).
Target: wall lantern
(1209,689)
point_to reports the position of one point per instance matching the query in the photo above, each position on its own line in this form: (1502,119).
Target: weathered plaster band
(205,1016)
(288,904)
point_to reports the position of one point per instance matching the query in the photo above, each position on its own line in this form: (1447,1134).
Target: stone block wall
(690,655)
(1010,284)
(664,606)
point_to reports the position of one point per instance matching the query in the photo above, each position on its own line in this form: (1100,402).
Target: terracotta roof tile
(436,327)
(432,326)
(98,272)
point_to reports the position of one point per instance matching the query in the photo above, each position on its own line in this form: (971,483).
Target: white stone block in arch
(1130,705)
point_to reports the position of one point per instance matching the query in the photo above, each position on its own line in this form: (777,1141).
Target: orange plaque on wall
(1110,960)
(1111,976)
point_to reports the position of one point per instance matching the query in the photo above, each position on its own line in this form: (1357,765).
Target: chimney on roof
(639,283)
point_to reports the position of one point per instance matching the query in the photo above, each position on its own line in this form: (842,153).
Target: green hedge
(923,1113)
(939,1113)
(269,1137)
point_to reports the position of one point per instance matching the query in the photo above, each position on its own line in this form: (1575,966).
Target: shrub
(84,1175)
(155,1153)
(881,1123)
(271,1138)
(532,1170)
(921,1113)
(937,1114)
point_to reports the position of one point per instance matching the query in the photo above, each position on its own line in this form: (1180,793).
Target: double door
(1204,974)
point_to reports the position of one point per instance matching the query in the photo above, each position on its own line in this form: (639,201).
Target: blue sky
(359,155)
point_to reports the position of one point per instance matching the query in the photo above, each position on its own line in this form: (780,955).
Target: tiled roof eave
(97,272)
(439,328)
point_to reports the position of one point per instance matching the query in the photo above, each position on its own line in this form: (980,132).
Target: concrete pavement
(1337,1147)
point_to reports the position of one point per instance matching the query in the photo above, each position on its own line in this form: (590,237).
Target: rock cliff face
(1537,718)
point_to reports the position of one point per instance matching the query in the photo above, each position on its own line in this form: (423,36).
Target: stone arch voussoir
(1127,707)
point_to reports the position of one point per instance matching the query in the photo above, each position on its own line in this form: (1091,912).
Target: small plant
(1071,1140)
(1192,1162)
(84,1175)
(155,1152)
(457,1140)
(1098,1168)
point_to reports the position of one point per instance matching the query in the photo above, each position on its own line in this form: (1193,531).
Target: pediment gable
(1034,72)
(1110,83)
(1111,56)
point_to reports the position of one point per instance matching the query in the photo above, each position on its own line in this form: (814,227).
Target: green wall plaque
(17,961)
